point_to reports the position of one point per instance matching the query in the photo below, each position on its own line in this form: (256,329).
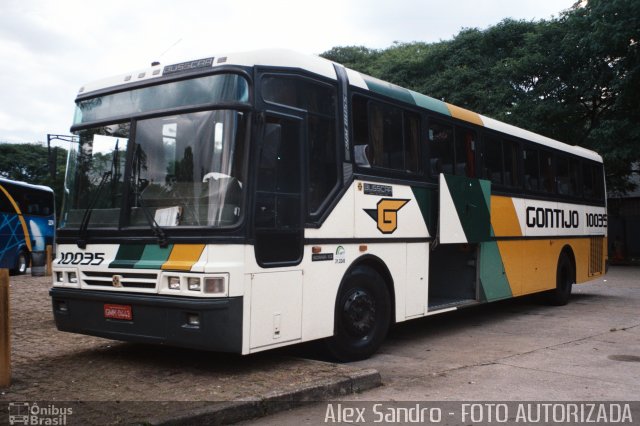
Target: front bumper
(155,318)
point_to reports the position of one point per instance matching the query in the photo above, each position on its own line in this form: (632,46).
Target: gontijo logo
(386,214)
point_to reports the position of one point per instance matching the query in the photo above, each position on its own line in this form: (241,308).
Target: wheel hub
(359,313)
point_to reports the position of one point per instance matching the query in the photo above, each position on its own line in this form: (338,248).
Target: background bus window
(465,146)
(440,148)
(531,171)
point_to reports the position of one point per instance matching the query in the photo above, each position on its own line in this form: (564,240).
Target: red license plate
(119,312)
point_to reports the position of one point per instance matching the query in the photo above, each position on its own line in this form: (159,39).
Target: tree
(574,78)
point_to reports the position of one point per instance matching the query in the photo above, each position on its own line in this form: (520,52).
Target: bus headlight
(194,283)
(59,277)
(215,285)
(73,277)
(174,283)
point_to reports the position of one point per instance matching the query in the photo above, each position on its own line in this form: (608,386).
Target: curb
(276,401)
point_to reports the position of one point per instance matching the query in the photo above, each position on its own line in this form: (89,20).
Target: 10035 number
(81,258)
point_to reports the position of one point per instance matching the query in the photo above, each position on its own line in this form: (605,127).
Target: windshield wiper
(84,224)
(157,229)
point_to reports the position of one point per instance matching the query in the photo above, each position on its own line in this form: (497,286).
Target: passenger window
(465,152)
(440,148)
(385,136)
(493,160)
(562,175)
(574,178)
(531,171)
(546,172)
(510,155)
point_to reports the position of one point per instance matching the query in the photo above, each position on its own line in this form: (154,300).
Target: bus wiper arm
(84,224)
(157,229)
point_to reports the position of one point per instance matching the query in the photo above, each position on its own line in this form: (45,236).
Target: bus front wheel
(22,263)
(565,277)
(362,316)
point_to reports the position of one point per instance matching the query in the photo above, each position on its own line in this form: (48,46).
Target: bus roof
(25,184)
(324,67)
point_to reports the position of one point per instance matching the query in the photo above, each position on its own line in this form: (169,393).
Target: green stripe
(430,103)
(127,256)
(428,203)
(471,198)
(493,277)
(153,257)
(388,89)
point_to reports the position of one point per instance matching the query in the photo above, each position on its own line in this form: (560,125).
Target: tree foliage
(575,78)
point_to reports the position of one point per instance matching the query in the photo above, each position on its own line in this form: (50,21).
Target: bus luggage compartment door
(276,308)
(464,214)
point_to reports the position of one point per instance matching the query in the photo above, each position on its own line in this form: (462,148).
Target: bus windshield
(182,170)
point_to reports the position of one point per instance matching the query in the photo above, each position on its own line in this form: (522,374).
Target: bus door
(463,220)
(463,223)
(276,297)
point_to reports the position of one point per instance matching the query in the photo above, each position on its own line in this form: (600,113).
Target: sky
(49,49)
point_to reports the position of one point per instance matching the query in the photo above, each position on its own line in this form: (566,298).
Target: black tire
(362,316)
(22,263)
(565,277)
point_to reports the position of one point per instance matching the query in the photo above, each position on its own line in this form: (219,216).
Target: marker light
(174,283)
(214,285)
(194,283)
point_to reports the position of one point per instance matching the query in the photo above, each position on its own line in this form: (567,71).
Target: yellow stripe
(465,114)
(504,218)
(25,229)
(183,257)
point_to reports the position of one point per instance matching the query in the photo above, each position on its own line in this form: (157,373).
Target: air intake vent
(596,256)
(127,280)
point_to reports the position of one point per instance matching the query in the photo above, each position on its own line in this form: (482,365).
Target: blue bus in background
(27,223)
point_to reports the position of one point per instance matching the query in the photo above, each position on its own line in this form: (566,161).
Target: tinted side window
(319,100)
(531,170)
(492,156)
(546,172)
(385,136)
(510,154)
(440,148)
(465,152)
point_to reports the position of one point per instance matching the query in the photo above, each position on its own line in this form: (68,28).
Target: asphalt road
(516,350)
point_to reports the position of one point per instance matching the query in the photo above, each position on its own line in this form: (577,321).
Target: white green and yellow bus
(250,201)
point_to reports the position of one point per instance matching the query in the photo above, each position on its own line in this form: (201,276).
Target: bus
(27,223)
(254,200)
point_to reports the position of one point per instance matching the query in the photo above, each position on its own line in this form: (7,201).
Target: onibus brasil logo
(25,413)
(386,214)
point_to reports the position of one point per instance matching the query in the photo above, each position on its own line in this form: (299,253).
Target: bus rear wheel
(362,316)
(22,263)
(565,277)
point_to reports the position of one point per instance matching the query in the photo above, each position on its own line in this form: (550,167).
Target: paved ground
(513,350)
(516,350)
(104,381)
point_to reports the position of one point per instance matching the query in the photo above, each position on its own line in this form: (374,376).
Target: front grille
(142,280)
(595,256)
